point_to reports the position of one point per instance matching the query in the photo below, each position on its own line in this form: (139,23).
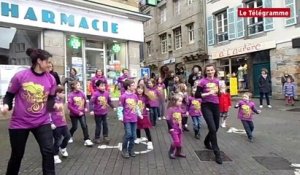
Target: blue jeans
(249,127)
(196,122)
(154,113)
(84,127)
(129,136)
(101,120)
(58,134)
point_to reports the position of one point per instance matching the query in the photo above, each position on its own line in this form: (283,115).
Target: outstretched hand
(4,109)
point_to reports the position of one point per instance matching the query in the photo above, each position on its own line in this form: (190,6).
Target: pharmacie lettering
(62,19)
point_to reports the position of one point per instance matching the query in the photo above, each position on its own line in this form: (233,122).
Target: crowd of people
(39,108)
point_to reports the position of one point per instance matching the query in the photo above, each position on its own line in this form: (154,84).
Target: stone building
(243,46)
(175,36)
(85,35)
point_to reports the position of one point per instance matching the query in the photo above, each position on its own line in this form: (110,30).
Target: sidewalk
(275,147)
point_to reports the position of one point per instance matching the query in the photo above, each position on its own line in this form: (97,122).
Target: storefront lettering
(48,16)
(236,51)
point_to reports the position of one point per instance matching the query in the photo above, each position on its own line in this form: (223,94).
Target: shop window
(222,26)
(177,38)
(163,43)
(255,24)
(15,41)
(191,32)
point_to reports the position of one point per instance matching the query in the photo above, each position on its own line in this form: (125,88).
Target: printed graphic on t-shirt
(79,102)
(141,105)
(212,87)
(103,102)
(35,96)
(131,103)
(246,111)
(177,118)
(151,95)
(196,105)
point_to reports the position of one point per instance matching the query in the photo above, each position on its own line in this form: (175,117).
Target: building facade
(241,47)
(175,36)
(85,35)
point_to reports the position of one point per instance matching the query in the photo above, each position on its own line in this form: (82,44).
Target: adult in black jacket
(55,74)
(265,88)
(195,75)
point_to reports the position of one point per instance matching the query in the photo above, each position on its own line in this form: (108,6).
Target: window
(191,32)
(189,2)
(148,48)
(20,47)
(255,25)
(163,14)
(178,38)
(222,26)
(163,43)
(176,7)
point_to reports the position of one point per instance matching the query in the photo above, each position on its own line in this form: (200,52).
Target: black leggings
(18,138)
(211,114)
(147,131)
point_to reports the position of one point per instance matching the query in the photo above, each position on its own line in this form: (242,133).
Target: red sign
(264,12)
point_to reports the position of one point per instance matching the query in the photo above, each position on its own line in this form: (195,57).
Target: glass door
(94,60)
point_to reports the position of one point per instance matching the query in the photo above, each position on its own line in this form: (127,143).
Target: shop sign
(48,15)
(244,48)
(169,61)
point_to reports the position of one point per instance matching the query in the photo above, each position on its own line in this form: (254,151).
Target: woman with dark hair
(71,78)
(122,79)
(265,87)
(98,76)
(208,90)
(195,75)
(34,92)
(55,74)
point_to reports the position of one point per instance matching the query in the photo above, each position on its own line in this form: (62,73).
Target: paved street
(276,145)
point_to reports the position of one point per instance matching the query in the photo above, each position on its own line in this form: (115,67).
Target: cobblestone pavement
(276,145)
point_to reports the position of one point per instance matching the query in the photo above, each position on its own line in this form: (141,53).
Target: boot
(197,134)
(179,152)
(171,152)
(207,144)
(218,157)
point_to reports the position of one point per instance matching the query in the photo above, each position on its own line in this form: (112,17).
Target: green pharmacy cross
(75,42)
(116,48)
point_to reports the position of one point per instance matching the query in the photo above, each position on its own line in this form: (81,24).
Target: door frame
(84,49)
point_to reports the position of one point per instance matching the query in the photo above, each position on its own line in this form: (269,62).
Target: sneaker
(164,118)
(125,154)
(223,125)
(64,152)
(106,140)
(159,118)
(57,159)
(97,141)
(144,139)
(261,106)
(150,146)
(71,140)
(269,106)
(250,140)
(137,141)
(88,142)
(132,154)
